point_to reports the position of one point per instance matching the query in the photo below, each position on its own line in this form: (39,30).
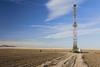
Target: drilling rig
(75,25)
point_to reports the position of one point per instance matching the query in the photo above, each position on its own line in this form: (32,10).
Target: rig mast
(75,47)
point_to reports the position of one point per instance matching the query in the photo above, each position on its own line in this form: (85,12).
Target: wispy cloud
(41,26)
(59,8)
(67,34)
(64,30)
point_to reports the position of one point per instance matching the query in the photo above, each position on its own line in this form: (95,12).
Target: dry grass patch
(92,59)
(25,57)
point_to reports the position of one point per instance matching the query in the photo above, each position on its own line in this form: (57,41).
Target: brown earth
(48,58)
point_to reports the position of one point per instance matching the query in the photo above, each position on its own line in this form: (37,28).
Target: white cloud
(59,8)
(41,26)
(93,22)
(64,31)
(67,34)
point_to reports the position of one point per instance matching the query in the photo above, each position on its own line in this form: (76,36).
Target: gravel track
(71,60)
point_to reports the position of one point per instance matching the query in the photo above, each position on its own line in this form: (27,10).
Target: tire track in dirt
(56,62)
(71,60)
(80,62)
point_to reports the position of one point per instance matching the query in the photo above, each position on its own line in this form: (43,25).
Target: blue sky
(48,23)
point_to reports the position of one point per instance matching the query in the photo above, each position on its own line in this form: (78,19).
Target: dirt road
(80,62)
(71,60)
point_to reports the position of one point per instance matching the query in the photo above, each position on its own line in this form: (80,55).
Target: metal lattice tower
(75,48)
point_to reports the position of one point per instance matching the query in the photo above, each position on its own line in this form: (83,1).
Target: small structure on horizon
(6,46)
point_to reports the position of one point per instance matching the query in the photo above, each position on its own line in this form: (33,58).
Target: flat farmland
(27,57)
(48,58)
(92,59)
